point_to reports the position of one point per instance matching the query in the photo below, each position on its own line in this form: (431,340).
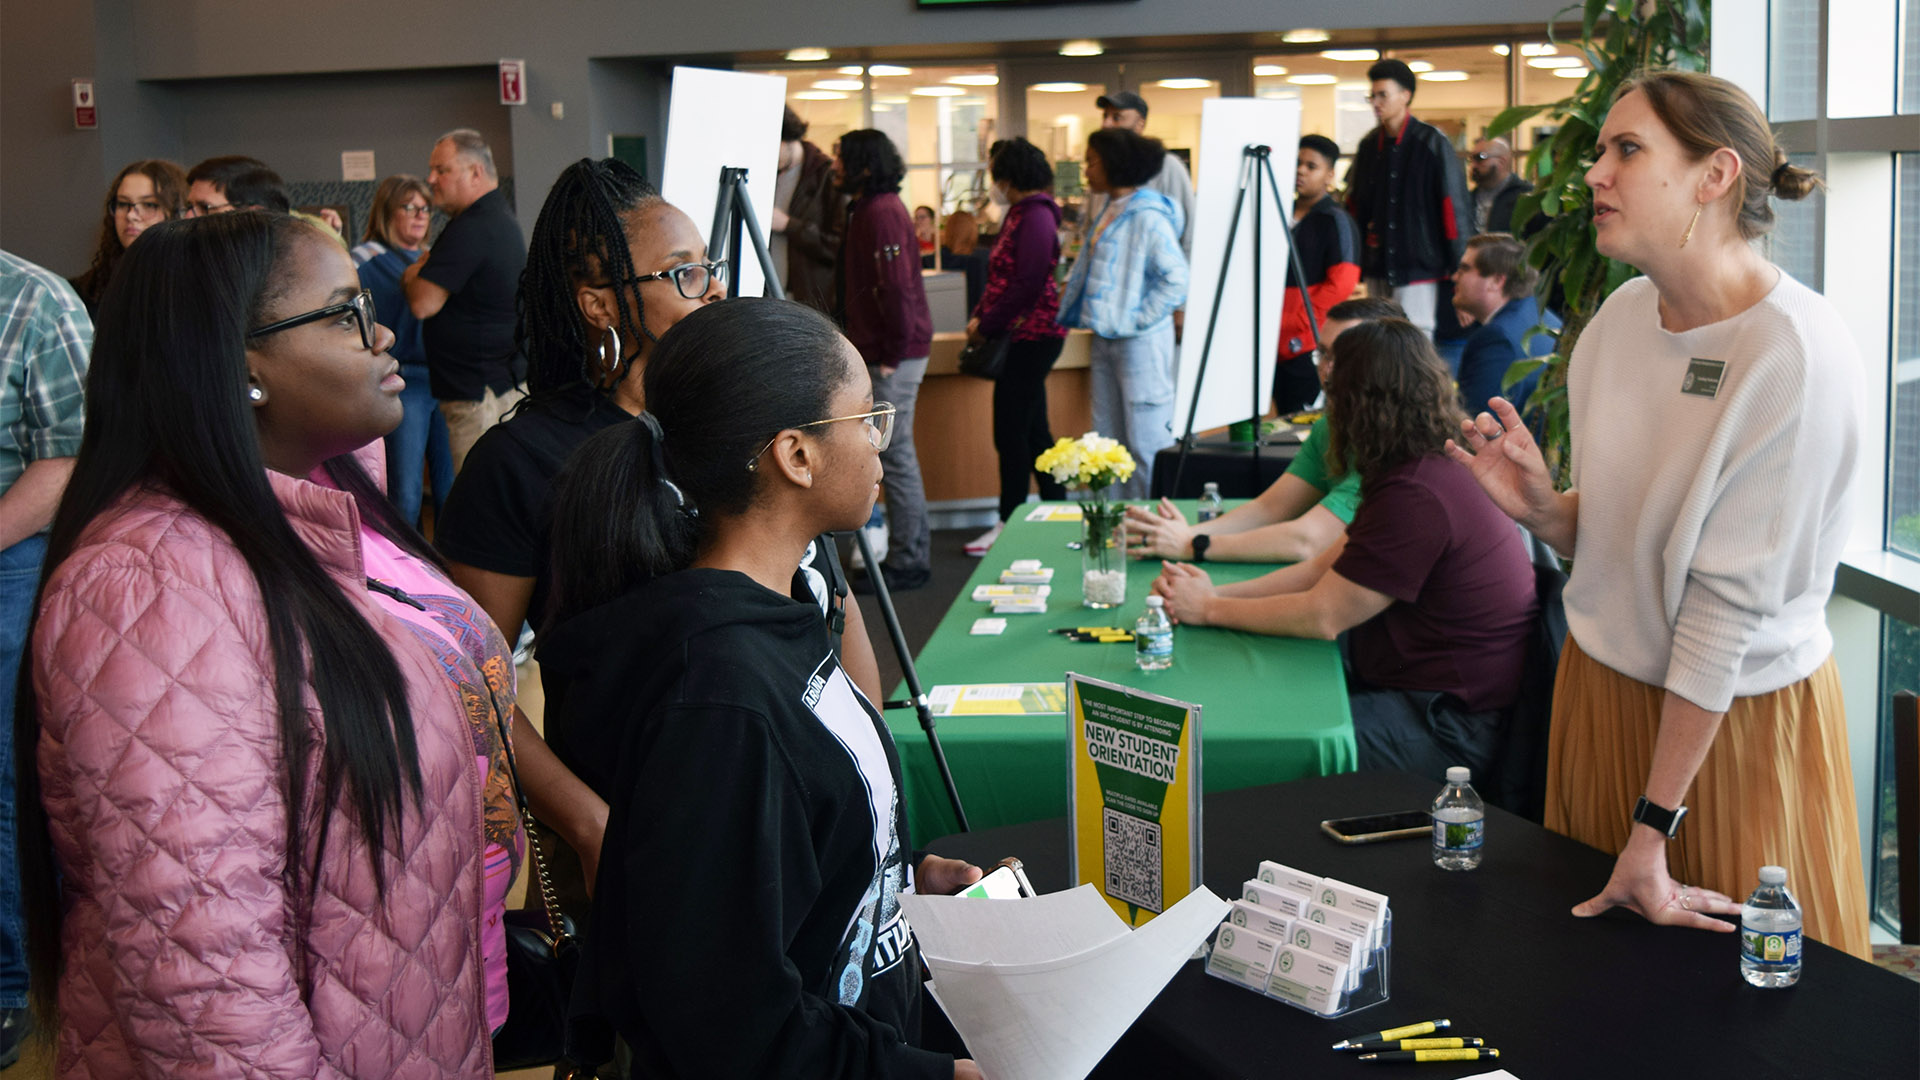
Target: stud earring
(256,394)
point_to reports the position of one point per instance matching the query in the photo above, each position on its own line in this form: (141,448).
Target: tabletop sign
(513,82)
(1133,783)
(86,115)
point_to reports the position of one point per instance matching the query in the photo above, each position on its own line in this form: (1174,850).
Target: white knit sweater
(1710,527)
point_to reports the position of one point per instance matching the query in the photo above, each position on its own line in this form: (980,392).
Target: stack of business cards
(993,594)
(1301,938)
(1026,572)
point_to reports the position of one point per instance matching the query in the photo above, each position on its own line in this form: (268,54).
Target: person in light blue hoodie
(1130,278)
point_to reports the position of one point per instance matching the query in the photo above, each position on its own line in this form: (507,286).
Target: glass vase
(1103,553)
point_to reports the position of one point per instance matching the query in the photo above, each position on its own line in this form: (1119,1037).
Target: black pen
(1431,1055)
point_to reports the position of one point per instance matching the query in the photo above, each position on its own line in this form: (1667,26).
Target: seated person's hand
(1161,533)
(943,877)
(1186,589)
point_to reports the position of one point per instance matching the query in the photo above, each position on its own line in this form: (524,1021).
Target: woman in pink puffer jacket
(266,724)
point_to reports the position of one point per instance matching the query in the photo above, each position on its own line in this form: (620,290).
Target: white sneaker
(877,536)
(980,545)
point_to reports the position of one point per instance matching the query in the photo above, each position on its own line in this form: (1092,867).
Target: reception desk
(953,421)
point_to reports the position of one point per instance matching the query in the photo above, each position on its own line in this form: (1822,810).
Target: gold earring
(1688,235)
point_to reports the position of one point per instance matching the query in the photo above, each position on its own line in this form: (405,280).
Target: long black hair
(167,408)
(869,163)
(579,238)
(631,503)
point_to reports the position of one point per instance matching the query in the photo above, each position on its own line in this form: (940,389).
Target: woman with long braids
(748,912)
(275,826)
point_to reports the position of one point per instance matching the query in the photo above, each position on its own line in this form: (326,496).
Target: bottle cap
(1459,774)
(1156,600)
(1773,875)
(1209,487)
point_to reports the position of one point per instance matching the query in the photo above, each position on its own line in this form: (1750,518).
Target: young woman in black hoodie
(747,909)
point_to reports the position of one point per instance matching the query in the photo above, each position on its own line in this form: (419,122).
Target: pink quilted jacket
(160,767)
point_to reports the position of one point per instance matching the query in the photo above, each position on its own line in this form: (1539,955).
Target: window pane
(1910,56)
(1793,60)
(1899,670)
(831,110)
(1791,244)
(1904,438)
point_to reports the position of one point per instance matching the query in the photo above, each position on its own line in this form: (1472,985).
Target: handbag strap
(549,899)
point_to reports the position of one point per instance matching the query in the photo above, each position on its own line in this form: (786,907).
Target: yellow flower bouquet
(1094,463)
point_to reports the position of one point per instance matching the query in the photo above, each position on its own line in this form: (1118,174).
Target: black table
(1496,951)
(1243,470)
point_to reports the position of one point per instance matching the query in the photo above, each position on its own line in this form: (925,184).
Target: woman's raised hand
(1503,457)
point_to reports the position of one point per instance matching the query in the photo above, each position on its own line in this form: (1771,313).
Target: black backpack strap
(827,561)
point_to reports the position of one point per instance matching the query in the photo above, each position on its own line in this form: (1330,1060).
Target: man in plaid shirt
(45,338)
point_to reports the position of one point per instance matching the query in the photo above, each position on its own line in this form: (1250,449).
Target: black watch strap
(1652,813)
(1201,542)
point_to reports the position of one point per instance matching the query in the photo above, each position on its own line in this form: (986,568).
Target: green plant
(1619,39)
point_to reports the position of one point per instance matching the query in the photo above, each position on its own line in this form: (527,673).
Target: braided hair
(579,238)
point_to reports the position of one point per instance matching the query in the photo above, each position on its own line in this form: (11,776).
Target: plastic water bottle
(1209,503)
(1153,637)
(1459,822)
(1770,932)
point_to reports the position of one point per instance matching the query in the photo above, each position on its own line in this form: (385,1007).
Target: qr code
(1133,860)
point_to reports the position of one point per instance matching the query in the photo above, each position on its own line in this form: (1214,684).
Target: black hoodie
(746,918)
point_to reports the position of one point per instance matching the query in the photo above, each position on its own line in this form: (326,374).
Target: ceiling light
(839,84)
(975,80)
(1305,37)
(1313,80)
(1502,50)
(1082,47)
(1058,87)
(1184,84)
(852,69)
(1269,70)
(936,91)
(1443,76)
(1570,73)
(1352,55)
(882,108)
(892,99)
(884,70)
(1538,48)
(1418,66)
(1550,62)
(819,95)
(808,55)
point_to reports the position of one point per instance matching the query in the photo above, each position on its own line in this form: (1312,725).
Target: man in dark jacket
(809,217)
(1408,194)
(1496,187)
(1493,288)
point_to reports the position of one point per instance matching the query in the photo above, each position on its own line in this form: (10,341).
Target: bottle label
(1156,644)
(1458,835)
(1206,514)
(1763,948)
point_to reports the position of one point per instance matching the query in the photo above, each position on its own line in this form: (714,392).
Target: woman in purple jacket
(883,308)
(1019,303)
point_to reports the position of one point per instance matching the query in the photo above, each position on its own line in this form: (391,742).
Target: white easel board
(1227,127)
(716,119)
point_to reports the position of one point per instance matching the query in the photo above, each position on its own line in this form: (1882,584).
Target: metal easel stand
(733,211)
(1256,163)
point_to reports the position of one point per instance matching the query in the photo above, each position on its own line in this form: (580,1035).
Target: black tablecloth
(1240,472)
(1496,951)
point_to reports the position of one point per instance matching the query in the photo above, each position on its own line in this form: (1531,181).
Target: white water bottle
(1770,933)
(1459,822)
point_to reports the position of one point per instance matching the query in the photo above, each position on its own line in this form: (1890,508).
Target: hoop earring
(610,362)
(1688,235)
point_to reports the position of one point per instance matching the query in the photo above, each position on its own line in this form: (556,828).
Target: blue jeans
(1133,392)
(418,444)
(19,577)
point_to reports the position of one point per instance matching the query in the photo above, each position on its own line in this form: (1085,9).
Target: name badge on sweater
(1703,377)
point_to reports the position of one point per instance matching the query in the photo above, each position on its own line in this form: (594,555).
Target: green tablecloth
(1273,709)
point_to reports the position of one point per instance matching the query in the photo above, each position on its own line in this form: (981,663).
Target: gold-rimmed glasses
(879,429)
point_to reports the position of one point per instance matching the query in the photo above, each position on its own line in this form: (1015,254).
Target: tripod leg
(744,210)
(912,676)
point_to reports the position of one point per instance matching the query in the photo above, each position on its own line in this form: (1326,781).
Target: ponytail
(618,520)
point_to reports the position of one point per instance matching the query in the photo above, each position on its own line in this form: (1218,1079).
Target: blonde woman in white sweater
(1715,430)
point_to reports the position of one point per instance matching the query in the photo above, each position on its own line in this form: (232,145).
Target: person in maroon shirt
(1431,585)
(1019,304)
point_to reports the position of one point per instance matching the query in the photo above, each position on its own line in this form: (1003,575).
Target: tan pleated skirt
(1776,789)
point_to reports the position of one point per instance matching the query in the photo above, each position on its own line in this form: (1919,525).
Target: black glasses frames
(361,306)
(691,279)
